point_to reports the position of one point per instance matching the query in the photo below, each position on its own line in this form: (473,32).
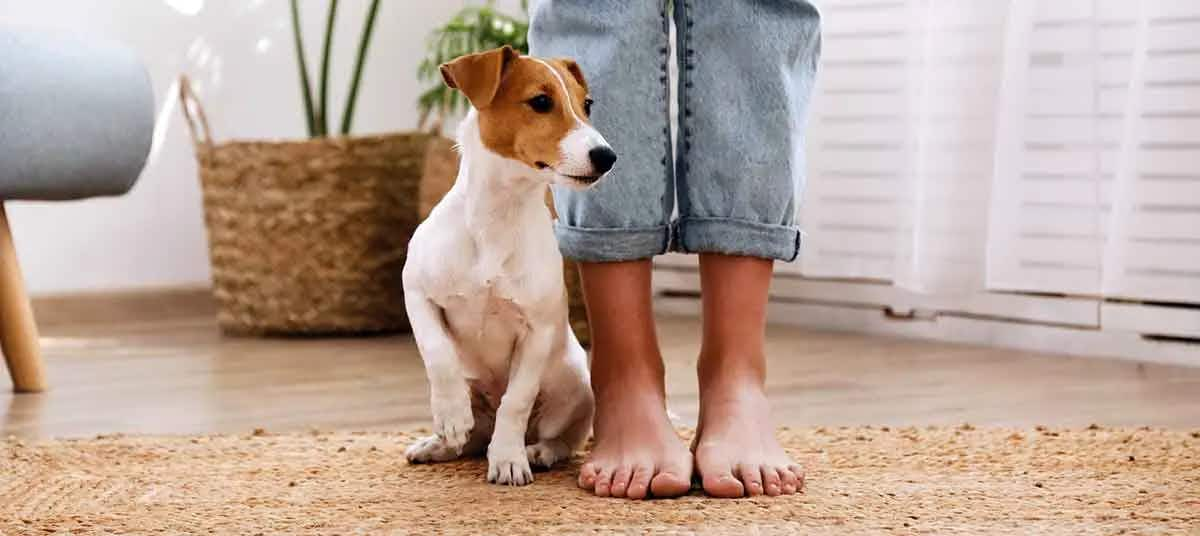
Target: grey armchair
(76,121)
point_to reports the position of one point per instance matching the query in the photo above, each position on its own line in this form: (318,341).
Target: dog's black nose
(602,158)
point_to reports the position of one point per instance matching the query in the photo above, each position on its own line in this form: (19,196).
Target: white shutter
(857,142)
(1015,172)
(901,142)
(1066,67)
(1153,250)
(1097,186)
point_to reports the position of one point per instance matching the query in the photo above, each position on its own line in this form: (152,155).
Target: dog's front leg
(449,394)
(507,460)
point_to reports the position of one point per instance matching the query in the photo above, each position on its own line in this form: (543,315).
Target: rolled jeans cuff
(589,244)
(737,237)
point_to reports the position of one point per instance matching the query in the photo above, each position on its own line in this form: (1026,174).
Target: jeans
(746,71)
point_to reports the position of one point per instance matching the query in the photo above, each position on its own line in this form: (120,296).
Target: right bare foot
(636,452)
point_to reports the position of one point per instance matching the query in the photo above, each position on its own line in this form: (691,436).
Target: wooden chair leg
(18,332)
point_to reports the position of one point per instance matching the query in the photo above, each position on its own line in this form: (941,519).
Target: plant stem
(364,42)
(305,88)
(322,116)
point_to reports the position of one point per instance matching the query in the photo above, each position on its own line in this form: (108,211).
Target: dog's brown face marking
(527,106)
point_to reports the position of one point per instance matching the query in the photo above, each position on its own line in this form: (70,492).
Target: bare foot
(636,452)
(737,453)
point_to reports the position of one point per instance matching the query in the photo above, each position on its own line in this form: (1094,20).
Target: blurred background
(993,325)
(1018,176)
(1008,172)
(241,58)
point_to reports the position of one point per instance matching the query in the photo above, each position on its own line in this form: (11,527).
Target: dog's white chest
(487,325)
(481,307)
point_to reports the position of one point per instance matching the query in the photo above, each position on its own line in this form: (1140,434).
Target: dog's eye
(587,107)
(541,104)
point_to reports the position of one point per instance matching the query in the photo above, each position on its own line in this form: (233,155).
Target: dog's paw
(509,468)
(430,449)
(544,454)
(452,422)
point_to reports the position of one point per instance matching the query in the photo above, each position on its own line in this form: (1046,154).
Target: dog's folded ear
(575,71)
(478,75)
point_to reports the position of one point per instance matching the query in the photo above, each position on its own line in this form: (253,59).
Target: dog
(483,282)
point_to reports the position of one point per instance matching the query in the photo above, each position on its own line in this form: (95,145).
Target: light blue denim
(746,71)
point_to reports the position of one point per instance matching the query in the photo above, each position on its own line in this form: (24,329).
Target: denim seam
(667,166)
(685,79)
(687,65)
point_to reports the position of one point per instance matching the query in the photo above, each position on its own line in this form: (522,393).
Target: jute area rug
(860,480)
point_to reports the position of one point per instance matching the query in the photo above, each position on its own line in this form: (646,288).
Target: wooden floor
(179,375)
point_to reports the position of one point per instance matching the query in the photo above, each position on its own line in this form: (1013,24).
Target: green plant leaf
(472,29)
(363,43)
(323,105)
(302,66)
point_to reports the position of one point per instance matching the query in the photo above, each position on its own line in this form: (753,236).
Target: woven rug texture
(952,480)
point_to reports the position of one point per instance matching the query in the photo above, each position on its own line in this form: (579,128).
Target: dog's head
(534,111)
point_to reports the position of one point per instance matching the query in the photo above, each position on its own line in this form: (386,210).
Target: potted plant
(309,236)
(476,29)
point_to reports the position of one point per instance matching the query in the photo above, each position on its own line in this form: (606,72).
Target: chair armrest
(76,116)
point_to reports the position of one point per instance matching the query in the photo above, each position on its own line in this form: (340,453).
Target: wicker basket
(309,237)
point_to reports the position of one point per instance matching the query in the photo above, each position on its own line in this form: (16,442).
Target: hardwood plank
(177,374)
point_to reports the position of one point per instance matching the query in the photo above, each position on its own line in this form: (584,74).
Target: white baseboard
(1076,326)
(965,330)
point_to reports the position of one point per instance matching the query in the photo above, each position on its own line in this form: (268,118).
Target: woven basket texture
(309,237)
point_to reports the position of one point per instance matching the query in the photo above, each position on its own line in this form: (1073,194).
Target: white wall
(240,55)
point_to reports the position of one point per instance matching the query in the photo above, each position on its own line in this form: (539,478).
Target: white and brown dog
(484,279)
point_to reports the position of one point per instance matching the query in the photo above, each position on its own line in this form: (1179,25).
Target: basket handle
(188,102)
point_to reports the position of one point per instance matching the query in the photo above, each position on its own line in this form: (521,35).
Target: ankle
(622,406)
(624,373)
(730,375)
(629,387)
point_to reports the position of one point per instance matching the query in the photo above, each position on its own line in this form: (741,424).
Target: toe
(723,485)
(422,451)
(670,483)
(798,472)
(751,477)
(772,482)
(639,484)
(587,476)
(620,481)
(603,482)
(521,475)
(538,456)
(789,480)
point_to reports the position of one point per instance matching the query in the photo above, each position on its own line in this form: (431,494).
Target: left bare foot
(736,451)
